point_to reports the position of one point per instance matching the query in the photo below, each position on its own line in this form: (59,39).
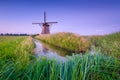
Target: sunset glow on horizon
(84,17)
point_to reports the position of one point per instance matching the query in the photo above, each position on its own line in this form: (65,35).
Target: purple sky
(84,17)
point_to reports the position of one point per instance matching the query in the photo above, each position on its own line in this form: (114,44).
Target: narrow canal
(49,51)
(52,52)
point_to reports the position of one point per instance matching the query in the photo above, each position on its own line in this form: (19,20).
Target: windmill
(45,25)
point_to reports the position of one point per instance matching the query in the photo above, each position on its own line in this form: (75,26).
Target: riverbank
(107,44)
(15,55)
(50,52)
(68,41)
(18,63)
(77,67)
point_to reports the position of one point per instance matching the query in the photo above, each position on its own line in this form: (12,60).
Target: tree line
(9,34)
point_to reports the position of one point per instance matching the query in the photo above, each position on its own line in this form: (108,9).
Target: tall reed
(77,67)
(15,55)
(108,44)
(68,41)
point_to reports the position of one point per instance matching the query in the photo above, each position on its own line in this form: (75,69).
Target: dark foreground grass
(77,67)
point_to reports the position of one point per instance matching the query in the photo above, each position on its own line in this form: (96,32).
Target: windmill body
(45,25)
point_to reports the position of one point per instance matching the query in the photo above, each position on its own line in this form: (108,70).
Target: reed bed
(15,55)
(77,67)
(18,63)
(108,44)
(8,44)
(68,41)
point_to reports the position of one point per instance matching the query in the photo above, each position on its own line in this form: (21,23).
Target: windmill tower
(45,25)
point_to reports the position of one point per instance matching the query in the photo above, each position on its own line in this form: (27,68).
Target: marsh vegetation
(17,61)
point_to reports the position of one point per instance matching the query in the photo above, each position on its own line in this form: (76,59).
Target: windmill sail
(45,25)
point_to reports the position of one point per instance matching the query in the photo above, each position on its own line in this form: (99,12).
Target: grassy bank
(77,67)
(67,41)
(108,44)
(15,55)
(18,63)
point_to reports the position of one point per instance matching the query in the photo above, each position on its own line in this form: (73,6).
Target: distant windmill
(45,25)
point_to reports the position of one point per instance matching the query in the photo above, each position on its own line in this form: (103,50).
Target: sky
(83,17)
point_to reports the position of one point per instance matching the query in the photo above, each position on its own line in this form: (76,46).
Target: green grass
(8,45)
(77,67)
(108,44)
(15,52)
(68,41)
(18,63)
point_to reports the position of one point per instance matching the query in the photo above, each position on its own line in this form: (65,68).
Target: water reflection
(57,50)
(44,49)
(51,52)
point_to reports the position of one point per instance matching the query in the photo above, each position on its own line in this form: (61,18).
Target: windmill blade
(44,17)
(52,22)
(38,23)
